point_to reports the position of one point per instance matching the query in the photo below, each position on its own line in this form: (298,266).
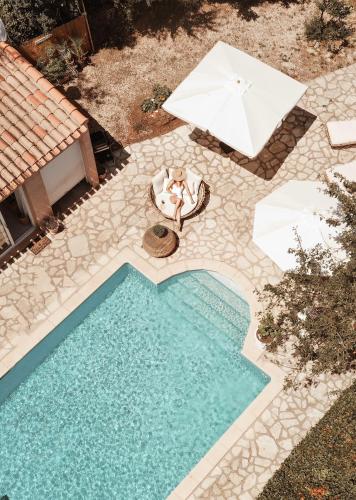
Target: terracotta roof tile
(44,84)
(60,114)
(52,106)
(48,157)
(40,96)
(68,107)
(29,158)
(42,109)
(76,134)
(22,165)
(25,142)
(38,130)
(11,80)
(56,135)
(5,160)
(35,152)
(9,138)
(55,151)
(24,91)
(63,130)
(21,77)
(78,117)
(43,148)
(33,100)
(7,176)
(49,141)
(15,132)
(70,125)
(22,127)
(46,124)
(28,121)
(69,140)
(53,120)
(12,154)
(33,74)
(36,120)
(11,52)
(42,162)
(56,95)
(19,148)
(12,117)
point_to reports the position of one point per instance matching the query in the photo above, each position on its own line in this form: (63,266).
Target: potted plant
(160,231)
(266,329)
(52,224)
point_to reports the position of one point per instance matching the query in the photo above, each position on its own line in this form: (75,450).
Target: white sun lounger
(342,133)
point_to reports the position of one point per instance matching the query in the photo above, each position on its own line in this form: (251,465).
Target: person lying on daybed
(176,186)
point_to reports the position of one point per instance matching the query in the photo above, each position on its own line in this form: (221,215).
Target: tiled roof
(36,121)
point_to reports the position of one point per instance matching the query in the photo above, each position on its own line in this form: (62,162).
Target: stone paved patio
(115,218)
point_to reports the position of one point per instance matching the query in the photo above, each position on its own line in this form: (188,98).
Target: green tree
(313,306)
(25,19)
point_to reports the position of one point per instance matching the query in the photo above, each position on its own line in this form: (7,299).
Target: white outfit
(178,191)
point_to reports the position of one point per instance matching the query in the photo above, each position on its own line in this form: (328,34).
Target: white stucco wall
(63,173)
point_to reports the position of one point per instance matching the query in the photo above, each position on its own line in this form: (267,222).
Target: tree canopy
(25,19)
(312,309)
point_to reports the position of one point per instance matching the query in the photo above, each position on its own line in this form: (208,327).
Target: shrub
(160,231)
(330,22)
(322,465)
(160,95)
(62,61)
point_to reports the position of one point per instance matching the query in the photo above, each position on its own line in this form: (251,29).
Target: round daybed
(161,198)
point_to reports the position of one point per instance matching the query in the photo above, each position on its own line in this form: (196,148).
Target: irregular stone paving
(115,217)
(246,468)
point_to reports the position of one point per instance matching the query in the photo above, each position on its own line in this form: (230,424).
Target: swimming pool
(144,381)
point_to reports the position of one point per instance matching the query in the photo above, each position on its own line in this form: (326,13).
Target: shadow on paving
(112,28)
(273,155)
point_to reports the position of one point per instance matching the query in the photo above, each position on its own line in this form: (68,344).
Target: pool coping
(250,350)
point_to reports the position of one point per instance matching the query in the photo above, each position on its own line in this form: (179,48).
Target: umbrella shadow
(273,155)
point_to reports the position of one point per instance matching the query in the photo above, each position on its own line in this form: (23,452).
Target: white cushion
(158,181)
(193,181)
(165,205)
(166,181)
(342,133)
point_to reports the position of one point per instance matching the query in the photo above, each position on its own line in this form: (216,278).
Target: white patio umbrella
(295,205)
(237,98)
(347,170)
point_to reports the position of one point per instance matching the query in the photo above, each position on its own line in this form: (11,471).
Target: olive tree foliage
(312,309)
(330,21)
(25,19)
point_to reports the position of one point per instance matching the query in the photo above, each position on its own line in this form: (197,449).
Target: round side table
(160,241)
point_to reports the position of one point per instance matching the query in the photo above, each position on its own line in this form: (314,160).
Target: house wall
(91,172)
(63,173)
(37,195)
(37,199)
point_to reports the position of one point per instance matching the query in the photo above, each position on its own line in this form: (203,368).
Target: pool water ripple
(134,396)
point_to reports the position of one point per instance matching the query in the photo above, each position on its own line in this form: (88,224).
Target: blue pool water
(132,397)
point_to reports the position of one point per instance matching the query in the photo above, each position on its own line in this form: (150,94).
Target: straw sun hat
(178,174)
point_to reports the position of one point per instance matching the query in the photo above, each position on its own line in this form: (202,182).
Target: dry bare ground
(165,50)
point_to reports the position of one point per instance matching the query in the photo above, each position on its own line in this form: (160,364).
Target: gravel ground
(118,79)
